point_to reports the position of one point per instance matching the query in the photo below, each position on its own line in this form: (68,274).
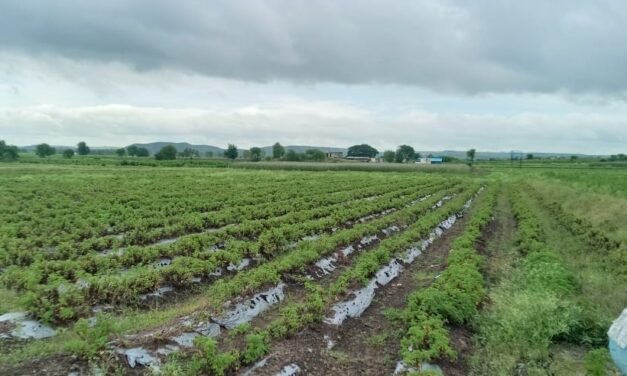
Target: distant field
(331,272)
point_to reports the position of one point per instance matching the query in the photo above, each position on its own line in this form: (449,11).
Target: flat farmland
(226,271)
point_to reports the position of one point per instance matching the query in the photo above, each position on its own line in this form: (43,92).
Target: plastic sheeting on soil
(618,330)
(185,339)
(327,265)
(402,368)
(159,293)
(245,312)
(256,366)
(242,264)
(289,370)
(208,329)
(362,298)
(139,356)
(25,328)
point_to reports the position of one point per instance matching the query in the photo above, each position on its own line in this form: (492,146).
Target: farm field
(141,270)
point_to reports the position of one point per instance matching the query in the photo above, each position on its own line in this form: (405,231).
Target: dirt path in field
(496,245)
(367,345)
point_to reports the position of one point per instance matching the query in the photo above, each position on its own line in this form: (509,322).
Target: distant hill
(302,149)
(154,147)
(29,148)
(486,155)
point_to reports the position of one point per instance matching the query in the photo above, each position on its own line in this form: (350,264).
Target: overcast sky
(531,75)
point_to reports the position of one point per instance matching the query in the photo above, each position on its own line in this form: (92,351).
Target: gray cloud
(450,45)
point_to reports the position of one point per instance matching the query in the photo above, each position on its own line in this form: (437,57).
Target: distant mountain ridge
(154,147)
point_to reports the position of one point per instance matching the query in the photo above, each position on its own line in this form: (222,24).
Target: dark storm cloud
(470,46)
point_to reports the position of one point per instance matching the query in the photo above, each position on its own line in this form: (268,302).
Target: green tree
(314,155)
(470,154)
(190,153)
(278,151)
(209,154)
(167,153)
(231,152)
(120,152)
(132,151)
(44,150)
(293,156)
(529,156)
(68,153)
(404,153)
(256,154)
(143,152)
(363,150)
(83,149)
(388,156)
(8,152)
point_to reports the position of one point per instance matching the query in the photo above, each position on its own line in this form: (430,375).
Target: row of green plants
(60,300)
(62,235)
(309,252)
(452,299)
(368,263)
(296,314)
(613,252)
(267,231)
(533,308)
(266,234)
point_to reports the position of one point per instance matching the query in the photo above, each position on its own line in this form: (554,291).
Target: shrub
(93,336)
(255,348)
(208,360)
(425,341)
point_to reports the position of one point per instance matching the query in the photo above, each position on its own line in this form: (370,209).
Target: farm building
(430,160)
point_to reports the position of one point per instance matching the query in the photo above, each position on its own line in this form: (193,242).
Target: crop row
(62,300)
(452,298)
(271,235)
(590,234)
(309,252)
(533,306)
(294,315)
(68,237)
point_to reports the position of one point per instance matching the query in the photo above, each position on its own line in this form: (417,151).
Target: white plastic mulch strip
(289,370)
(362,298)
(138,356)
(25,328)
(402,368)
(256,366)
(244,312)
